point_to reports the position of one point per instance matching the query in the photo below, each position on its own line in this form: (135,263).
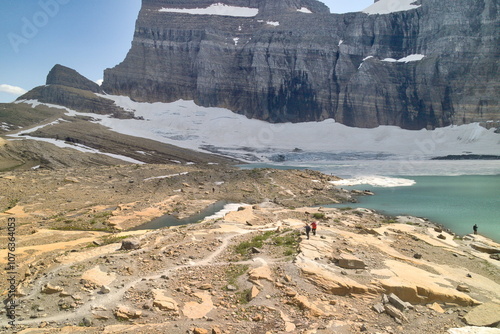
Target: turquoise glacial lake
(456,202)
(455,194)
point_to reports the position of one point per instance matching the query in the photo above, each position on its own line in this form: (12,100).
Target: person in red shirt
(314,226)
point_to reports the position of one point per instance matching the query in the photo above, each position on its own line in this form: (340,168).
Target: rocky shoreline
(252,270)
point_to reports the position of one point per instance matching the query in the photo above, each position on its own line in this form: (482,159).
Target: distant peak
(65,76)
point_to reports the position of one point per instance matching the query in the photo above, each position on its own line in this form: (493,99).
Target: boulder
(397,302)
(487,315)
(50,289)
(349,261)
(436,307)
(163,302)
(395,313)
(130,244)
(463,288)
(263,272)
(304,304)
(123,312)
(104,289)
(216,330)
(485,248)
(206,286)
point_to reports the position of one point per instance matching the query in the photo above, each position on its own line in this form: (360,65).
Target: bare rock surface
(487,314)
(204,277)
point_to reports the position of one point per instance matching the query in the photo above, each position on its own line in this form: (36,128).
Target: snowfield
(216,9)
(218,130)
(390,6)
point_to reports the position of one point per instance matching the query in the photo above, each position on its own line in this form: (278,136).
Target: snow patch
(165,176)
(219,9)
(413,57)
(376,181)
(232,207)
(304,10)
(273,23)
(390,6)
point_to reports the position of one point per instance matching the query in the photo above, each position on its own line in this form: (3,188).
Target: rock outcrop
(66,87)
(291,60)
(65,76)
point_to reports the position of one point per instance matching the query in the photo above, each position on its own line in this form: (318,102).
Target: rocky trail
(250,270)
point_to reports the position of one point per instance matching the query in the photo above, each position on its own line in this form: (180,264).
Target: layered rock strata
(291,60)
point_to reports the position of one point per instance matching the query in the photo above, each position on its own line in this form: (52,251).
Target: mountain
(424,64)
(66,87)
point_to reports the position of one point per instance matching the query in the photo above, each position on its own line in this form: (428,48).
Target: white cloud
(12,89)
(99,82)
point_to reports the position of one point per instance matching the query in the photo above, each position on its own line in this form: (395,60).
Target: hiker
(475,228)
(308,229)
(314,226)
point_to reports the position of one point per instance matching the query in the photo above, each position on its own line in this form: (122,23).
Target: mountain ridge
(287,64)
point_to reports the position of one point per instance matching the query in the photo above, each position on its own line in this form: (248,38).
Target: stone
(436,307)
(258,317)
(290,292)
(397,302)
(104,289)
(199,330)
(216,330)
(123,312)
(485,315)
(255,250)
(349,261)
(231,288)
(304,304)
(441,236)
(206,286)
(379,308)
(254,292)
(130,244)
(163,302)
(463,288)
(263,272)
(395,313)
(87,322)
(49,289)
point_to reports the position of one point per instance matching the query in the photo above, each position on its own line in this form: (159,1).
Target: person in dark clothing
(308,230)
(475,228)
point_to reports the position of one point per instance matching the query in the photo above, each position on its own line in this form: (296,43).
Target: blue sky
(86,35)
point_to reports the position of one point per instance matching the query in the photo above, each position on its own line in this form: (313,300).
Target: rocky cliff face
(291,60)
